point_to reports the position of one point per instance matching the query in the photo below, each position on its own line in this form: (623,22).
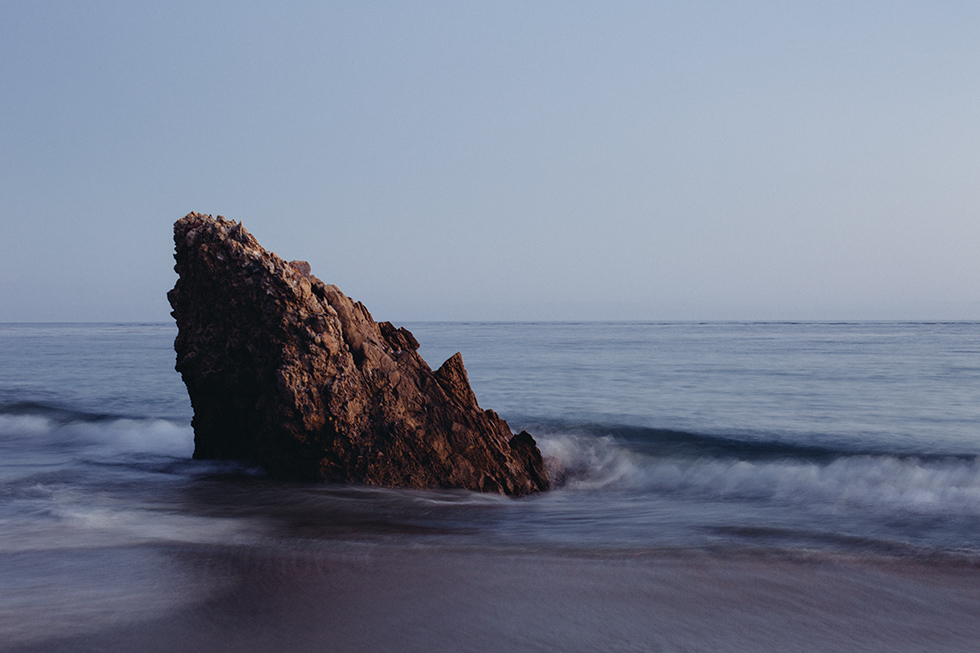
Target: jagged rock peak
(288,372)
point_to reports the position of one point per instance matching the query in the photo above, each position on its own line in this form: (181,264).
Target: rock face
(288,372)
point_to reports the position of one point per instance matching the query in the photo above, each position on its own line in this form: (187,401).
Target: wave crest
(105,436)
(909,484)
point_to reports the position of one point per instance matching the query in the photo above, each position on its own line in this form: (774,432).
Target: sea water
(857,441)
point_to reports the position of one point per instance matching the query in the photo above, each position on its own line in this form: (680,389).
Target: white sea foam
(152,436)
(57,515)
(24,425)
(587,462)
(880,482)
(135,526)
(128,436)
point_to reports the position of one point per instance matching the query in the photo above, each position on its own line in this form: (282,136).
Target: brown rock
(288,372)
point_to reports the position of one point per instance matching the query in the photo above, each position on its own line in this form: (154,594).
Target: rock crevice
(288,372)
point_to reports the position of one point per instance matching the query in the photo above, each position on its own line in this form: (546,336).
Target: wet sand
(380,598)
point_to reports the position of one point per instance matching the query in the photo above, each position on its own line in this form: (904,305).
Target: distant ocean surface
(856,441)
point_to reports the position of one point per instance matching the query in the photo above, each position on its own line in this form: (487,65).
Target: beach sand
(387,598)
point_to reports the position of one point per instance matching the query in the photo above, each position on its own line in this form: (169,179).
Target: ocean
(720,486)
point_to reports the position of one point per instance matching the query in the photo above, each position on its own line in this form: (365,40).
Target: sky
(501,160)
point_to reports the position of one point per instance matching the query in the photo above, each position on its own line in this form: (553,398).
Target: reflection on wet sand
(380,598)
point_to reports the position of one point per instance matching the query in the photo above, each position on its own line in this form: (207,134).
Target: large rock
(288,372)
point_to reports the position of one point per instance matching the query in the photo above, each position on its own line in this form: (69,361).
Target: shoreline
(397,598)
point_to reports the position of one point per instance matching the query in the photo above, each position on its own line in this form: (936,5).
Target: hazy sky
(501,160)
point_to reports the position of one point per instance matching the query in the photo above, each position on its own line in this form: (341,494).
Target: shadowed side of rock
(288,372)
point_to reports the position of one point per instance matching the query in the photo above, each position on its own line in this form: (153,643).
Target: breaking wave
(705,468)
(37,425)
